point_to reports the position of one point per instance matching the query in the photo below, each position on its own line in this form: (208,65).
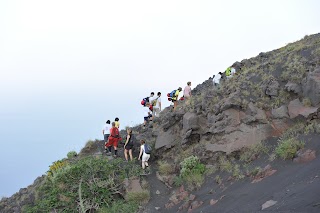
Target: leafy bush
(56,166)
(72,154)
(192,171)
(225,165)
(287,149)
(86,185)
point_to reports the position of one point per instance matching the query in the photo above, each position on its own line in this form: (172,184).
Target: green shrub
(72,154)
(250,153)
(287,149)
(120,207)
(192,171)
(225,165)
(139,197)
(94,183)
(165,168)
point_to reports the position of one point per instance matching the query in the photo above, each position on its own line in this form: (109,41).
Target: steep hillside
(229,149)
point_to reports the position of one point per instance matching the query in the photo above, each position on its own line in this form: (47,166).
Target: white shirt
(106,129)
(233,71)
(151,99)
(217,78)
(146,111)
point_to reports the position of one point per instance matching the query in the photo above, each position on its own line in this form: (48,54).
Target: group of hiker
(112,137)
(151,109)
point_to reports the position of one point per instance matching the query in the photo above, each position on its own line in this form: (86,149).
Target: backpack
(171,95)
(154,102)
(144,101)
(147,148)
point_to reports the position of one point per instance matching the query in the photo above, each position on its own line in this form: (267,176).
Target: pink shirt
(187,91)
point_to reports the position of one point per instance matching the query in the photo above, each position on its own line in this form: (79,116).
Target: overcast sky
(68,65)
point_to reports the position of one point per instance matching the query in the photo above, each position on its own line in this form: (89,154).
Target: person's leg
(126,154)
(130,154)
(143,165)
(174,105)
(115,146)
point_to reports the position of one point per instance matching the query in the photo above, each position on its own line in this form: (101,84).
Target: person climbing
(113,139)
(174,97)
(147,99)
(106,133)
(129,145)
(147,114)
(151,97)
(156,106)
(216,80)
(144,156)
(187,91)
(117,123)
(230,71)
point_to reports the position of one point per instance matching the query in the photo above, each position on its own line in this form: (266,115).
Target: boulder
(281,112)
(311,86)
(244,136)
(293,87)
(305,155)
(190,122)
(272,88)
(296,108)
(168,139)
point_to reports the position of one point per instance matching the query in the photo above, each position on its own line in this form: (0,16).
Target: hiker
(106,132)
(216,79)
(113,139)
(230,71)
(187,91)
(129,145)
(117,123)
(151,97)
(156,106)
(147,99)
(143,155)
(146,114)
(174,97)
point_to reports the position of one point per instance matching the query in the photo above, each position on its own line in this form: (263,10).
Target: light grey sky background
(68,65)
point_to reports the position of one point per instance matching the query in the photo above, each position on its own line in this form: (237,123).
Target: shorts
(128,146)
(106,136)
(112,142)
(145,157)
(146,118)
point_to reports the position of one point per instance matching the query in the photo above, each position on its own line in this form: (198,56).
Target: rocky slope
(269,95)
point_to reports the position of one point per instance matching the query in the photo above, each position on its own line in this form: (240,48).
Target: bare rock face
(245,136)
(311,86)
(281,112)
(296,108)
(190,121)
(293,87)
(168,139)
(254,114)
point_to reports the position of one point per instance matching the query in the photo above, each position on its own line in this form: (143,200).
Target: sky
(66,66)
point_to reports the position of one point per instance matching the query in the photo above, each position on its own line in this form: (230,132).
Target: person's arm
(103,132)
(160,105)
(140,153)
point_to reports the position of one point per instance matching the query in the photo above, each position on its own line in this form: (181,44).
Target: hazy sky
(68,65)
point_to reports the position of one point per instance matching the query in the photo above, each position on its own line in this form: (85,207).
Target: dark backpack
(147,148)
(144,101)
